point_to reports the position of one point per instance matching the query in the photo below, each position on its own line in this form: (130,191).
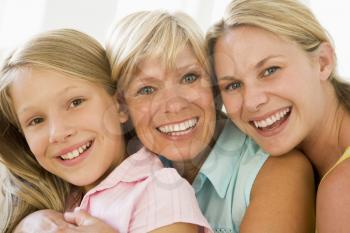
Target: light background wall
(19,19)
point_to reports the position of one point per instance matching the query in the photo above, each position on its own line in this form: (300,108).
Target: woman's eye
(233,86)
(146,90)
(270,70)
(36,121)
(76,102)
(189,78)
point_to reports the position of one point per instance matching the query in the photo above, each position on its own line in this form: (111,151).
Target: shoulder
(294,164)
(289,171)
(333,200)
(282,195)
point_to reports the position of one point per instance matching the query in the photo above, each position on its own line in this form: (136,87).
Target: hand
(44,221)
(81,221)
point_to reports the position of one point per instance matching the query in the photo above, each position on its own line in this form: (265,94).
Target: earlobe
(122,108)
(326,60)
(123,114)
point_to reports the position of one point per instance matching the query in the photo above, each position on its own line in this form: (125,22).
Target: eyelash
(194,75)
(269,71)
(147,90)
(34,122)
(76,102)
(73,104)
(232,86)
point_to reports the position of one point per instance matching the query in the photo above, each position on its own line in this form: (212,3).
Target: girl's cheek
(233,104)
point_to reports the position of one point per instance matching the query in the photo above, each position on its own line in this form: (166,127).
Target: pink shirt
(140,195)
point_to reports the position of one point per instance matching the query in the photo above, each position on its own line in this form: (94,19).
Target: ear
(325,60)
(122,108)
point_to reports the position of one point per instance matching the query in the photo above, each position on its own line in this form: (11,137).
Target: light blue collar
(222,160)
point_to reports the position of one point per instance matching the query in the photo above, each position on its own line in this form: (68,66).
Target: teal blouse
(225,180)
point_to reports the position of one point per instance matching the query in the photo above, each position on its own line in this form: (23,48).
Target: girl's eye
(233,86)
(76,102)
(270,70)
(189,78)
(35,121)
(146,90)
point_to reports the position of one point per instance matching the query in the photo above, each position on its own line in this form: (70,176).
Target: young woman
(276,69)
(162,72)
(61,117)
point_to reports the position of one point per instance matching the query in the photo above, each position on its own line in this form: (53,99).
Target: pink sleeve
(168,199)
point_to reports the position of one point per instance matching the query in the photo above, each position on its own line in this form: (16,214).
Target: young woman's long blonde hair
(286,18)
(27,186)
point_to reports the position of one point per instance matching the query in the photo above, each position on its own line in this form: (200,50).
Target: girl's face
(270,87)
(72,126)
(172,111)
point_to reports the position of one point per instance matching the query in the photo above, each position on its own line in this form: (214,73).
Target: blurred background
(19,19)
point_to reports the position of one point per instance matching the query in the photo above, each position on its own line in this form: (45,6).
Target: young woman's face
(72,126)
(173,111)
(270,87)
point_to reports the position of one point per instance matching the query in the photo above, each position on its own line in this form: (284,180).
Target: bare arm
(333,201)
(282,197)
(177,227)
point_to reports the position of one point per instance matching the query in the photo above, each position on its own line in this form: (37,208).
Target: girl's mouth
(75,153)
(272,121)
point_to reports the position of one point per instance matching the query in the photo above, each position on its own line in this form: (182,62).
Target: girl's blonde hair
(28,187)
(286,18)
(152,34)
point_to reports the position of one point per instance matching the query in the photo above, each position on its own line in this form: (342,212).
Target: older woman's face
(173,111)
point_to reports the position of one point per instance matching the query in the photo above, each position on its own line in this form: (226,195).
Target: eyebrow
(263,61)
(257,66)
(140,77)
(27,108)
(194,64)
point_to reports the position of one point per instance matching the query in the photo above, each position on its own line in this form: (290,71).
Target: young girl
(275,66)
(63,140)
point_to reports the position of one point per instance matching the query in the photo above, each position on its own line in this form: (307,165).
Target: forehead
(247,45)
(29,79)
(31,86)
(184,58)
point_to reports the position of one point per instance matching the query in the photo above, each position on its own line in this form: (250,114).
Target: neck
(120,157)
(325,144)
(189,169)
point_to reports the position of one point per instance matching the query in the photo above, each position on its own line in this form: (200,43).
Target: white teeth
(272,119)
(178,129)
(75,153)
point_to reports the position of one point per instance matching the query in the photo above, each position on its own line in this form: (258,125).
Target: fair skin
(280,95)
(188,99)
(243,71)
(173,110)
(68,124)
(281,183)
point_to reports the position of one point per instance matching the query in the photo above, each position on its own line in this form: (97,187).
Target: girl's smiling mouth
(76,152)
(273,121)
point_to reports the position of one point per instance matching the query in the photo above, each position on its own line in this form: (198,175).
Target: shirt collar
(222,160)
(136,167)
